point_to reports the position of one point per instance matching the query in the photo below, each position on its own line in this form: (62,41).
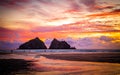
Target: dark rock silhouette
(33,44)
(72,48)
(55,44)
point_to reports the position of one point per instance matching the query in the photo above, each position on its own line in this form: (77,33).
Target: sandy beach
(65,63)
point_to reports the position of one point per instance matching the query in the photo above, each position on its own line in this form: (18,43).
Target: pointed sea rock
(33,44)
(55,44)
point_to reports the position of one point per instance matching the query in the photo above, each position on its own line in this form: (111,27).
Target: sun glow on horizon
(60,22)
(47,19)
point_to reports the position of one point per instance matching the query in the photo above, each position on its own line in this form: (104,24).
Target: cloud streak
(102,42)
(26,19)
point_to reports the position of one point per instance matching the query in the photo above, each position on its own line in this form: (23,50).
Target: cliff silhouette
(55,44)
(36,43)
(33,44)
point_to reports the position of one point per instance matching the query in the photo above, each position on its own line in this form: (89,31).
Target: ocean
(62,50)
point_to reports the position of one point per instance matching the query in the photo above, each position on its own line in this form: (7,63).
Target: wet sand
(10,66)
(92,57)
(68,63)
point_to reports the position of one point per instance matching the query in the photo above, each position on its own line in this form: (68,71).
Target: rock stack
(55,44)
(33,44)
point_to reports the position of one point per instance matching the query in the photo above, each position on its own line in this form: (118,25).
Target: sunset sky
(85,24)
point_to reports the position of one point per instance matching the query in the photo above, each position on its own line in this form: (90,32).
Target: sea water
(62,50)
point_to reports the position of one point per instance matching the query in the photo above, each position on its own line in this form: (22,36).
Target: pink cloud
(76,27)
(103,42)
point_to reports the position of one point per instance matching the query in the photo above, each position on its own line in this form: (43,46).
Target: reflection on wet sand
(48,66)
(75,67)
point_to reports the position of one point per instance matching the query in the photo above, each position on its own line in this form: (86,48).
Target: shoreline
(68,63)
(110,57)
(92,57)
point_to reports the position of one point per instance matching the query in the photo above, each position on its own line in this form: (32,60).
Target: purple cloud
(13,3)
(8,45)
(90,3)
(106,39)
(103,42)
(47,29)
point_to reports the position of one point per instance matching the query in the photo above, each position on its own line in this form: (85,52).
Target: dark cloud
(116,10)
(103,7)
(13,3)
(45,1)
(104,14)
(90,4)
(81,5)
(108,7)
(75,5)
(8,45)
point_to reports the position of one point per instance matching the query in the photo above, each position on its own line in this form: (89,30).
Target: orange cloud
(112,13)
